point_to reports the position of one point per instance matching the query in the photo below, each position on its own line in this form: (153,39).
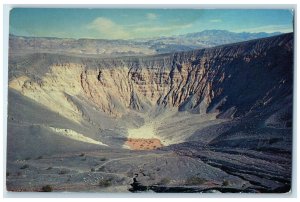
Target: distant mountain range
(115,48)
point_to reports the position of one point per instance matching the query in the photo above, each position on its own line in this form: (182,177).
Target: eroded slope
(209,80)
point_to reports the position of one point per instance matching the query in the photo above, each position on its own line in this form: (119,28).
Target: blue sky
(142,23)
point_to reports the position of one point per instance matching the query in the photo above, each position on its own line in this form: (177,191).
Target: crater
(220,116)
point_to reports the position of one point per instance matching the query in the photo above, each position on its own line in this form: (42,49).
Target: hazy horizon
(143,23)
(148,37)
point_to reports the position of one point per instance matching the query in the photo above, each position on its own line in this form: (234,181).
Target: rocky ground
(189,167)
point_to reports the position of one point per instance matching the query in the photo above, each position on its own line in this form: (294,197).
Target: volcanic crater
(210,120)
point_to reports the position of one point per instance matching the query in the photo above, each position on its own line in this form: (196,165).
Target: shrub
(225,183)
(40,157)
(92,169)
(24,166)
(103,159)
(105,182)
(152,177)
(62,172)
(27,158)
(164,181)
(49,168)
(195,180)
(129,173)
(82,154)
(7,174)
(47,188)
(101,168)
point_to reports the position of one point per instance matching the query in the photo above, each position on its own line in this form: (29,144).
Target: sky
(143,23)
